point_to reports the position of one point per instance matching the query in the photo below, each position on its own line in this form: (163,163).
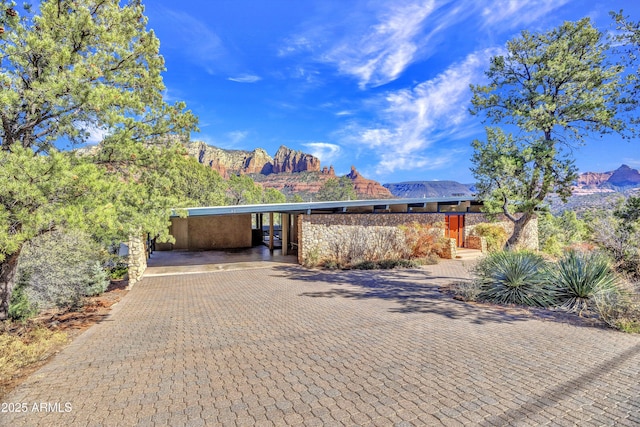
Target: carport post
(284,224)
(271,232)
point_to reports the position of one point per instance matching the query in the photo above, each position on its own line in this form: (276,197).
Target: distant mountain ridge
(421,189)
(620,179)
(593,182)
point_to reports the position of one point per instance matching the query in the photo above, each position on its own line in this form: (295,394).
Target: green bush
(494,234)
(60,268)
(118,272)
(579,276)
(20,308)
(510,277)
(556,233)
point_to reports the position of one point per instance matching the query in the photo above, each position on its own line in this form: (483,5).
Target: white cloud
(631,162)
(515,13)
(386,48)
(325,151)
(96,134)
(245,78)
(195,40)
(237,136)
(410,120)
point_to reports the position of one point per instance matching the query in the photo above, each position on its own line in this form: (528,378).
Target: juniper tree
(67,69)
(552,89)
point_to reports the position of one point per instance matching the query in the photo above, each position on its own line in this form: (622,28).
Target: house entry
(454,228)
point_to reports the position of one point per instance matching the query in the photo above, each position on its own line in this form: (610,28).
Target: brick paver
(289,346)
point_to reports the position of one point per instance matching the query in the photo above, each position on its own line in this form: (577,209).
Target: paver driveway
(285,345)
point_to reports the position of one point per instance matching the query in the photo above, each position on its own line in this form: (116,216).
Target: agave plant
(579,276)
(511,277)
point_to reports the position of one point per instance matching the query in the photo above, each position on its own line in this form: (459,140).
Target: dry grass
(23,348)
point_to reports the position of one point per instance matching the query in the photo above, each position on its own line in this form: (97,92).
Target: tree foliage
(336,189)
(80,66)
(556,233)
(553,88)
(68,69)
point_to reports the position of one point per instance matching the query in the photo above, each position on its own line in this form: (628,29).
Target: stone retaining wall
(530,240)
(137,259)
(316,232)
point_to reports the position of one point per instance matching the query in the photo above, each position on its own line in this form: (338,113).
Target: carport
(276,225)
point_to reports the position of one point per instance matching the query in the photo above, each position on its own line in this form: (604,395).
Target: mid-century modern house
(294,226)
(302,228)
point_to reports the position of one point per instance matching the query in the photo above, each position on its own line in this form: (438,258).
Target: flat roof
(321,206)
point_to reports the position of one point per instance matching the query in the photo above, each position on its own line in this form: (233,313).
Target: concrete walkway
(288,346)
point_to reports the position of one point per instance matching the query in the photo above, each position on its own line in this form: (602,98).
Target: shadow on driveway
(413,290)
(420,291)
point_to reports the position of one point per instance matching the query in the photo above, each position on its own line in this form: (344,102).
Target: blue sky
(382,85)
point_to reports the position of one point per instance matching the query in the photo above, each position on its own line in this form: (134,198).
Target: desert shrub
(385,243)
(579,276)
(494,234)
(385,264)
(354,246)
(60,268)
(466,291)
(365,265)
(617,232)
(118,272)
(20,308)
(510,277)
(423,240)
(620,310)
(388,264)
(312,258)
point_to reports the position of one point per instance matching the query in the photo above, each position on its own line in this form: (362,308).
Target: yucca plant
(579,276)
(511,277)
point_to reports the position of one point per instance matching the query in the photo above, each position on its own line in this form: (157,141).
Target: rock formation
(595,182)
(289,170)
(287,160)
(624,176)
(367,188)
(592,179)
(228,162)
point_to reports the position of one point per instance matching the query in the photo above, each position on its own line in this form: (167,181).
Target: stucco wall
(210,232)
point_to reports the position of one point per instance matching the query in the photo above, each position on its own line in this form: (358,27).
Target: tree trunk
(516,241)
(7,281)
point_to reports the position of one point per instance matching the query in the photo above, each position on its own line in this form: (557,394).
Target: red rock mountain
(287,160)
(289,170)
(592,179)
(622,177)
(367,187)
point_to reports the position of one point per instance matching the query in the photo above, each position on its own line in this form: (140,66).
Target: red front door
(455,228)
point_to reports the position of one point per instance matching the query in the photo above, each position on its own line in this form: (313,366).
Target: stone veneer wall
(316,231)
(137,259)
(531,240)
(477,242)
